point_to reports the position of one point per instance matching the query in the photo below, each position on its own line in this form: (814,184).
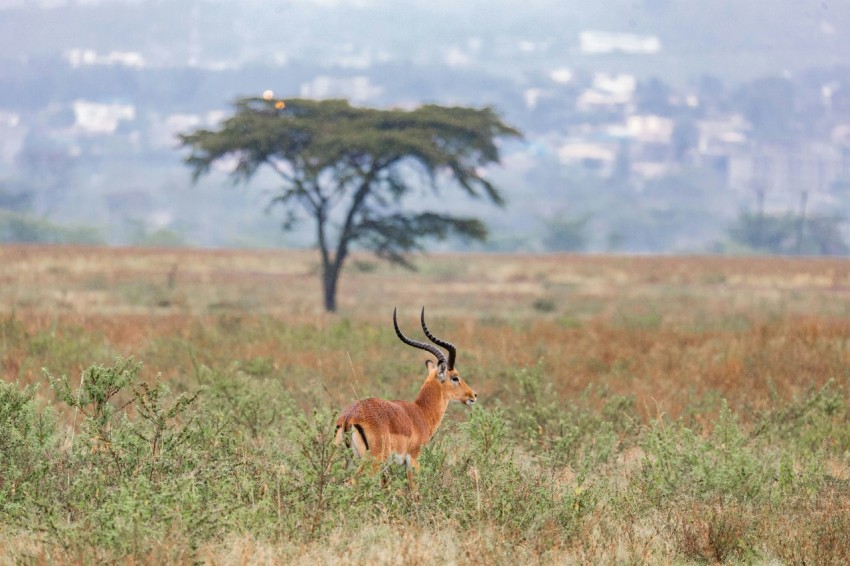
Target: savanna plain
(177,406)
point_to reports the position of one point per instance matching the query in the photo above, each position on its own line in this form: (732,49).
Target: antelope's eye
(456,379)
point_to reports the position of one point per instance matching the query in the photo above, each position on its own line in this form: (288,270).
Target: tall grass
(649,432)
(240,455)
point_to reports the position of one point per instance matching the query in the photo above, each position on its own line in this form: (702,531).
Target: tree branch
(277,169)
(357,203)
(389,237)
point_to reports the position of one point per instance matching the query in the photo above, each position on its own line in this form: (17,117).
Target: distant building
(620,84)
(561,75)
(358,89)
(785,172)
(101,118)
(840,135)
(12,134)
(608,91)
(163,131)
(720,143)
(532,97)
(602,42)
(720,135)
(83,57)
(645,141)
(651,129)
(598,157)
(646,170)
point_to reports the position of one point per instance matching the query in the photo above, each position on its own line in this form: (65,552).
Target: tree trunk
(330,276)
(331,264)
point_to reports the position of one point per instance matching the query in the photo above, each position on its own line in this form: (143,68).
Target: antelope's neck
(433,404)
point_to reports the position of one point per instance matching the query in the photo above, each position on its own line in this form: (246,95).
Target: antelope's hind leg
(360,453)
(340,438)
(411,465)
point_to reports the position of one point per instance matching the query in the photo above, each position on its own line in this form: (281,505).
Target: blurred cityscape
(648,128)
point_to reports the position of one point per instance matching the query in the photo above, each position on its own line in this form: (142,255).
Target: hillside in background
(649,125)
(732,39)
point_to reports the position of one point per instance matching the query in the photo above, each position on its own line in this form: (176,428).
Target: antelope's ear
(441,369)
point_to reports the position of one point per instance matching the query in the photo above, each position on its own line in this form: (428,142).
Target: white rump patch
(401,459)
(357,440)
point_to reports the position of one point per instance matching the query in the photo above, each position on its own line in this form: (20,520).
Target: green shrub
(725,464)
(146,472)
(21,228)
(818,422)
(27,444)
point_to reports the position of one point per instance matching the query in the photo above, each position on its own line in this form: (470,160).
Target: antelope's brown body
(380,428)
(395,427)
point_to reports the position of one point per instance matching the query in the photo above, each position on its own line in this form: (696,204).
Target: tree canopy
(789,233)
(347,169)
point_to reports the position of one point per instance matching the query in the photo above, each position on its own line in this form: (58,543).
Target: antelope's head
(443,371)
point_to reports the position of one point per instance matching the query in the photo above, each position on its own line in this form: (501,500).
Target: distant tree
(653,97)
(48,168)
(789,234)
(141,235)
(614,240)
(14,197)
(821,235)
(17,228)
(685,138)
(711,92)
(621,172)
(347,169)
(565,233)
(769,105)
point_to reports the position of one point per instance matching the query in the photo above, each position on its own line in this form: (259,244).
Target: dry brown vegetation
(650,345)
(666,329)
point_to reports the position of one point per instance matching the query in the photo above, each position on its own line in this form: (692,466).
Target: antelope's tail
(341,436)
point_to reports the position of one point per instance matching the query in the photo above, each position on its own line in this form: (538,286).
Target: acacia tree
(347,169)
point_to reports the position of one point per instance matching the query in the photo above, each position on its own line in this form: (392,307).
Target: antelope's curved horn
(441,358)
(447,345)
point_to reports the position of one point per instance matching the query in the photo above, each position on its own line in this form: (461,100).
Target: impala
(381,428)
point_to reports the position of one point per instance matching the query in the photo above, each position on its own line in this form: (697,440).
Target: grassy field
(177,406)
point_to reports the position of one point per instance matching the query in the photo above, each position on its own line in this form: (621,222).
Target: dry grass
(667,330)
(675,334)
(112,281)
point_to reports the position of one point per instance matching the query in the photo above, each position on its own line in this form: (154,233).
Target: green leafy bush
(27,442)
(140,471)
